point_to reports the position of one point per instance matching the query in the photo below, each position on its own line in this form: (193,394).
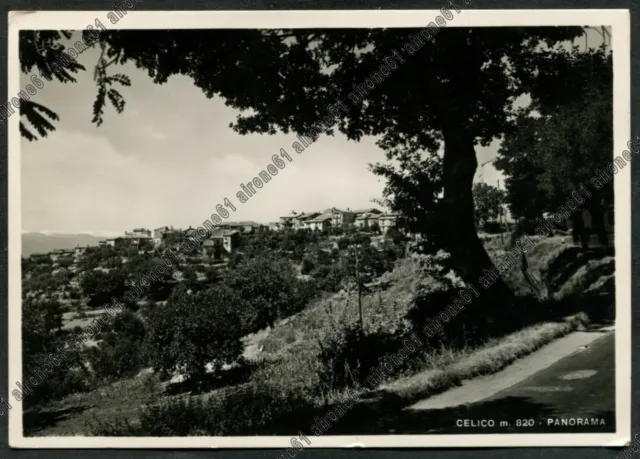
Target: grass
(73,414)
(284,384)
(449,369)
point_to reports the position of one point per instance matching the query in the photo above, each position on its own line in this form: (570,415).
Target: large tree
(563,137)
(451,88)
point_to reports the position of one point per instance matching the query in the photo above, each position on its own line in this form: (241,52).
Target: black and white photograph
(309,229)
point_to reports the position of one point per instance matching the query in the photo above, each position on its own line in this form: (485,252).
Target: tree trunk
(457,229)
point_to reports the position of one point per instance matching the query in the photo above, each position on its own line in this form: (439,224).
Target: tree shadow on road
(386,416)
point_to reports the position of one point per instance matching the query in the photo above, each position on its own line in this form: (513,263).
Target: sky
(170,158)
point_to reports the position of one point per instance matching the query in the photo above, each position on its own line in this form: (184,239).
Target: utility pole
(500,216)
(359,288)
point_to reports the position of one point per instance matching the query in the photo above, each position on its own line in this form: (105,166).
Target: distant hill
(44,243)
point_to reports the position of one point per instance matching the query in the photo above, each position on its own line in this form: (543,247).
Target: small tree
(191,331)
(102,287)
(120,354)
(268,288)
(488,203)
(362,264)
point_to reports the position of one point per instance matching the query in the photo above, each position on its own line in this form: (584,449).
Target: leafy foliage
(269,290)
(413,187)
(119,355)
(285,80)
(563,137)
(42,50)
(102,287)
(488,201)
(348,356)
(191,331)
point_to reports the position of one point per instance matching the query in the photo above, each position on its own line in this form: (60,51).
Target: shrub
(343,243)
(307,266)
(347,355)
(438,288)
(120,354)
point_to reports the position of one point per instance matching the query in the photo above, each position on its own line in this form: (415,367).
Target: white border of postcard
(618,20)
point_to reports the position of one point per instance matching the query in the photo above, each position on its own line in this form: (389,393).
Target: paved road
(575,394)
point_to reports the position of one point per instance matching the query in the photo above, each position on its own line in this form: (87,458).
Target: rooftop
(367,215)
(321,218)
(307,215)
(219,232)
(367,211)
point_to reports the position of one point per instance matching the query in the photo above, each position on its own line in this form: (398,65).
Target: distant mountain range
(44,243)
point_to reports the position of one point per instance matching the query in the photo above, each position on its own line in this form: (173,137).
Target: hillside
(44,243)
(299,367)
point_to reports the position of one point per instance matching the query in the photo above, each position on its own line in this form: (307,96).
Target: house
(320,223)
(340,217)
(247,227)
(300,220)
(137,240)
(386,221)
(221,241)
(287,222)
(138,235)
(371,210)
(138,232)
(365,220)
(159,234)
(172,237)
(275,226)
(39,256)
(111,242)
(61,253)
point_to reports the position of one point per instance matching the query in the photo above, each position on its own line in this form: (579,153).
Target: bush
(395,235)
(120,354)
(329,278)
(307,266)
(347,355)
(343,243)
